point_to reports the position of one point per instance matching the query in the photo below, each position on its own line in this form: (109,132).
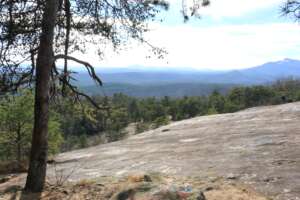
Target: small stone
(201,196)
(125,195)
(209,188)
(147,178)
(231,177)
(267,180)
(65,192)
(183,195)
(286,190)
(3,180)
(271,179)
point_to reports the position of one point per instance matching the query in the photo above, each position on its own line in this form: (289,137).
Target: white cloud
(223,47)
(214,47)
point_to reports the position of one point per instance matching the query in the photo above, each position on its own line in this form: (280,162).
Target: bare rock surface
(259,147)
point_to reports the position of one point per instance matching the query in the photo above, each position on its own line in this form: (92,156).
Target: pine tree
(44,31)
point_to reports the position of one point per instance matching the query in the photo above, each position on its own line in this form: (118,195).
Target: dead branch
(88,66)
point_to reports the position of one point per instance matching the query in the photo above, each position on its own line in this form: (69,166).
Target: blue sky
(222,12)
(231,34)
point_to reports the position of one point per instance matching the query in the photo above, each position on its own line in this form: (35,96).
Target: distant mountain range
(180,82)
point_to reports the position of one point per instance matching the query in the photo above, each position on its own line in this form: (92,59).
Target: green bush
(16,126)
(141,127)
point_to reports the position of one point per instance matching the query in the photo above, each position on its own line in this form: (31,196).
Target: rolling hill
(180,82)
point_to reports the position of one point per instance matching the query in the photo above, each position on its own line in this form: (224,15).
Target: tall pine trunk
(39,150)
(19,146)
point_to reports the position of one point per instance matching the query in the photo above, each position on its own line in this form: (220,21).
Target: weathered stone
(209,188)
(147,178)
(214,146)
(201,196)
(126,195)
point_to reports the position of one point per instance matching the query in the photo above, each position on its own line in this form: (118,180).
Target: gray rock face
(260,147)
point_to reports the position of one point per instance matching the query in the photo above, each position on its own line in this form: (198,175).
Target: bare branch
(75,90)
(88,66)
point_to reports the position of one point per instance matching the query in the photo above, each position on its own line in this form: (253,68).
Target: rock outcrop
(258,147)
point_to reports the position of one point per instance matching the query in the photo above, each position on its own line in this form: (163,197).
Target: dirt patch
(139,187)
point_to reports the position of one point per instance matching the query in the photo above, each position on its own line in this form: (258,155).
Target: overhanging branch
(87,65)
(74,89)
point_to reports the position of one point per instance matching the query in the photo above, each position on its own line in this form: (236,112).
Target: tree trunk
(18,142)
(39,149)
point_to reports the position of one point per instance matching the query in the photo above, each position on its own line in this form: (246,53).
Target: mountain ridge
(164,80)
(254,75)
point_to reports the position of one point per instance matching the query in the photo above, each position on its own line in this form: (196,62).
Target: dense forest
(75,125)
(158,89)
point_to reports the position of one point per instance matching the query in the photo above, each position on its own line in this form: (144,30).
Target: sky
(231,34)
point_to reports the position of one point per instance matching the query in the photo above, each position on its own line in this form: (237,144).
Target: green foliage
(217,102)
(142,127)
(212,111)
(237,97)
(55,138)
(117,122)
(74,142)
(81,125)
(118,119)
(161,121)
(16,117)
(288,90)
(16,126)
(133,110)
(160,89)
(113,135)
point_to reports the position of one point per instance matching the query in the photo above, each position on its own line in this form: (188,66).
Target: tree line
(74,125)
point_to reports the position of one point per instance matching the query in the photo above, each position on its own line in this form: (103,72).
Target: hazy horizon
(245,34)
(140,68)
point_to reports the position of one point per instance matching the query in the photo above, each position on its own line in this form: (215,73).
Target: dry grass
(138,187)
(230,192)
(9,167)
